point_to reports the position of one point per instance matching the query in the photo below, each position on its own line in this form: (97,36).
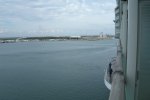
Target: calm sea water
(55,70)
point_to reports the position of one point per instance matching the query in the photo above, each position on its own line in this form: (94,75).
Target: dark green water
(58,70)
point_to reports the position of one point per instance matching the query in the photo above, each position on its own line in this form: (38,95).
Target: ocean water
(55,70)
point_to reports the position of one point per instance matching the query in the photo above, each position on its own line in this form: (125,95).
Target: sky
(56,17)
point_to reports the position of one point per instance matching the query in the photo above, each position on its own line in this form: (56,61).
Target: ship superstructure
(131,77)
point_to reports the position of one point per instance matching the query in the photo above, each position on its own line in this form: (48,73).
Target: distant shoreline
(56,38)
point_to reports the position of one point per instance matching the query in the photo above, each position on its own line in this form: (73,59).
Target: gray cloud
(75,15)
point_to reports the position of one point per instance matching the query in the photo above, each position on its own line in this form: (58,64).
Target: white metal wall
(132,49)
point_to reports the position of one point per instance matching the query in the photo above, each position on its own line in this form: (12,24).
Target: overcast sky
(56,17)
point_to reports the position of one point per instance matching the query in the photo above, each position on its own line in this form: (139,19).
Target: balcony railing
(118,83)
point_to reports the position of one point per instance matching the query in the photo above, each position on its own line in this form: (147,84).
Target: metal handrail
(118,83)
